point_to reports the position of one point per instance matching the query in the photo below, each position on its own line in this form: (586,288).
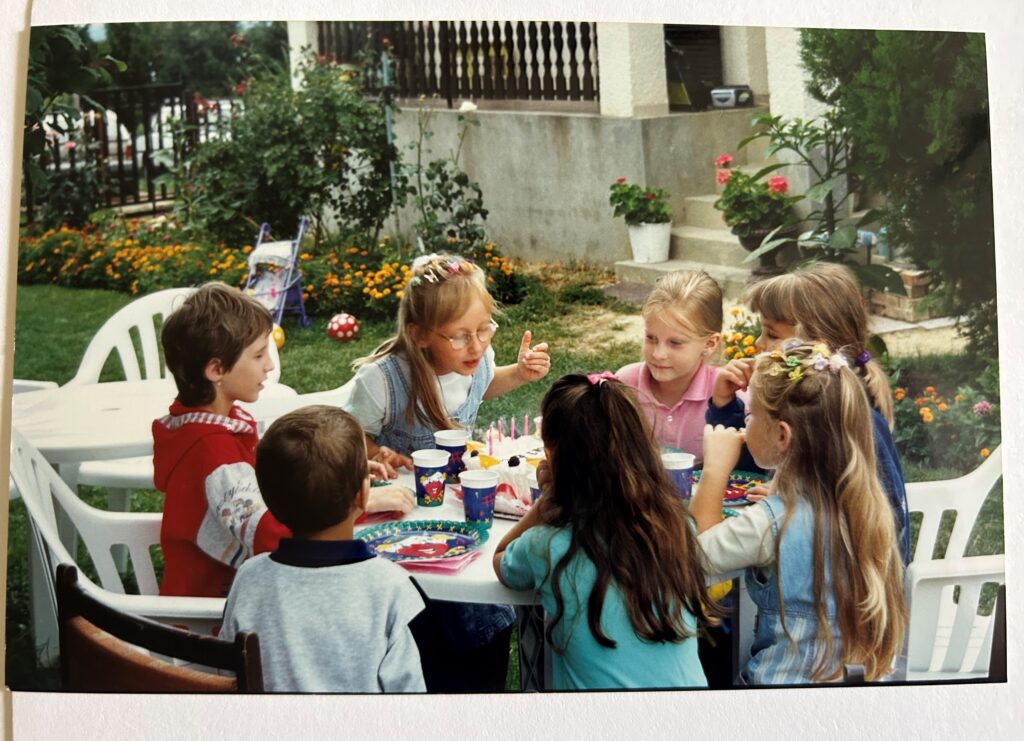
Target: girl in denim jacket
(820,553)
(433,376)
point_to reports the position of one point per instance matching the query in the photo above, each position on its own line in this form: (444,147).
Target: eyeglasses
(483,336)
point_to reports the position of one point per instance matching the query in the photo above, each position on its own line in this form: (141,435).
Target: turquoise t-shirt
(586,664)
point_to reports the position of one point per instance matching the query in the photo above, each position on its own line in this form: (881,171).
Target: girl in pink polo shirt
(682,327)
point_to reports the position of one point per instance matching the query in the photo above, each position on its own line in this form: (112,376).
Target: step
(700,211)
(733,280)
(710,246)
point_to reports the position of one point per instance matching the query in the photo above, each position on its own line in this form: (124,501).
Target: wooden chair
(100,650)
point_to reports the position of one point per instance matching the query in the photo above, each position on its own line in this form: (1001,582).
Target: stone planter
(650,242)
(767,265)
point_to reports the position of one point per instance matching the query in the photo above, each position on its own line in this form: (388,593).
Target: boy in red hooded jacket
(216,347)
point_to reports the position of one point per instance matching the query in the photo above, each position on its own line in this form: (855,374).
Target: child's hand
(732,377)
(722,446)
(543,474)
(759,492)
(390,498)
(534,362)
(391,461)
(380,472)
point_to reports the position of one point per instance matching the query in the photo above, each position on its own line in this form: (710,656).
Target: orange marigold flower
(943,407)
(899,394)
(985,453)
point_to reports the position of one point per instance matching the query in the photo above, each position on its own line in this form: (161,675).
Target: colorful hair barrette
(863,358)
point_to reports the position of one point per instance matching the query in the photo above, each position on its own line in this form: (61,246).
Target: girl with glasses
(433,375)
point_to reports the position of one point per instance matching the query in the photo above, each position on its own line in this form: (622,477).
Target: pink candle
(501,428)
(512,427)
(490,440)
(526,425)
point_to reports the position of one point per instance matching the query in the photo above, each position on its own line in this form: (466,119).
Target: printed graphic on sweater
(235,508)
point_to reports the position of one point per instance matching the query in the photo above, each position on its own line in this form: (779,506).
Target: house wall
(545,176)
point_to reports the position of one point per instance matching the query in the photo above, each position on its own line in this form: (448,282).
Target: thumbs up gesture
(534,362)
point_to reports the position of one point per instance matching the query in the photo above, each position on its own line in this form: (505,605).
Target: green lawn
(54,325)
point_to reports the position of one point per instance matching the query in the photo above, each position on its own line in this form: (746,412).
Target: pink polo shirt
(680,426)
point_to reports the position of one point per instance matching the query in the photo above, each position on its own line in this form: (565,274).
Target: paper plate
(736,489)
(419,540)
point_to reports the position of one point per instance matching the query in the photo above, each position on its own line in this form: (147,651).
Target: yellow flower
(751,350)
(899,394)
(735,311)
(748,340)
(985,453)
(943,407)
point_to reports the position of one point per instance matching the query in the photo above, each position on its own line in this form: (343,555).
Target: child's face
(446,359)
(245,379)
(773,334)
(671,354)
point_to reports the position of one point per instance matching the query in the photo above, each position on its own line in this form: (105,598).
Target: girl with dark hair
(609,546)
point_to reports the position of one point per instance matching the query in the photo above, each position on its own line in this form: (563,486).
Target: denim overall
(395,432)
(468,625)
(773,658)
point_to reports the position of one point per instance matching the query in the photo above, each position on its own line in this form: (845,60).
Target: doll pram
(274,277)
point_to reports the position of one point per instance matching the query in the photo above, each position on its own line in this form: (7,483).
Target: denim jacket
(773,658)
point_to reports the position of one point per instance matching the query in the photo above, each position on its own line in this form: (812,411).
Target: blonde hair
(830,463)
(691,300)
(440,290)
(823,301)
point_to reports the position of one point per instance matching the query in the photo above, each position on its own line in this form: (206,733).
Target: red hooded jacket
(214,515)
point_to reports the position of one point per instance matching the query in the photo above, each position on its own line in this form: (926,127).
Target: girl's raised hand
(722,446)
(733,376)
(533,362)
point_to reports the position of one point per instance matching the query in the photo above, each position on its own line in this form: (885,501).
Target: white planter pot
(650,242)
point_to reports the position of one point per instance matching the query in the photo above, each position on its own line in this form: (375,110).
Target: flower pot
(767,265)
(650,242)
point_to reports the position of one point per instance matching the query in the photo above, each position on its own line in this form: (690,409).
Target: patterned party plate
(422,540)
(736,490)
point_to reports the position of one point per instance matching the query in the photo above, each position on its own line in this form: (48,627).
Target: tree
(916,104)
(209,57)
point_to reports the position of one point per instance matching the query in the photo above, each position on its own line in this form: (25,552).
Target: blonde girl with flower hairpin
(820,552)
(821,303)
(432,375)
(682,328)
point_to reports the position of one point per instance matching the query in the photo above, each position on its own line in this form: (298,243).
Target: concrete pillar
(789,97)
(631,66)
(301,34)
(743,59)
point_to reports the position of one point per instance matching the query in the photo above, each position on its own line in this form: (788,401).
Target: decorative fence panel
(482,60)
(131,139)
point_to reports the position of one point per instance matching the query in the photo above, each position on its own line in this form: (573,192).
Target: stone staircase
(702,241)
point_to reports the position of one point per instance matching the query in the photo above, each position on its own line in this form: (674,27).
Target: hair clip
(792,361)
(863,358)
(796,375)
(837,362)
(819,361)
(597,379)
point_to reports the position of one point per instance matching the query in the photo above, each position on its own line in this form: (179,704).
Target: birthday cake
(513,460)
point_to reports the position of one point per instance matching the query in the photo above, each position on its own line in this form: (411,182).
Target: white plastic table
(477,582)
(100,421)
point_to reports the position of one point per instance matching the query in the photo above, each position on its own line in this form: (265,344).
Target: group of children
(621,565)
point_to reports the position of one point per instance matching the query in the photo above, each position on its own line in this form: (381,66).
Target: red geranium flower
(723,160)
(620,180)
(778,184)
(649,196)
(722,176)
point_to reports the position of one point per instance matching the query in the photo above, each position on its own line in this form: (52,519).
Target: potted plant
(755,209)
(648,218)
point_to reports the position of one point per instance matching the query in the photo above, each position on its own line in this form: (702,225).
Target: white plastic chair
(963,495)
(947,637)
(24,386)
(133,332)
(44,494)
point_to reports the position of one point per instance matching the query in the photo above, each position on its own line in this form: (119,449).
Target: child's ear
(363,495)
(784,436)
(712,342)
(214,370)
(419,335)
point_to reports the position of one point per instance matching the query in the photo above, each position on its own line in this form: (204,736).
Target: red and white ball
(343,327)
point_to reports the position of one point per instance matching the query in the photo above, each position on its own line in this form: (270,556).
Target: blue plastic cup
(478,492)
(429,468)
(453,441)
(680,470)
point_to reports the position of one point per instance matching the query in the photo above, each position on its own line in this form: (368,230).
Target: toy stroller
(274,277)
